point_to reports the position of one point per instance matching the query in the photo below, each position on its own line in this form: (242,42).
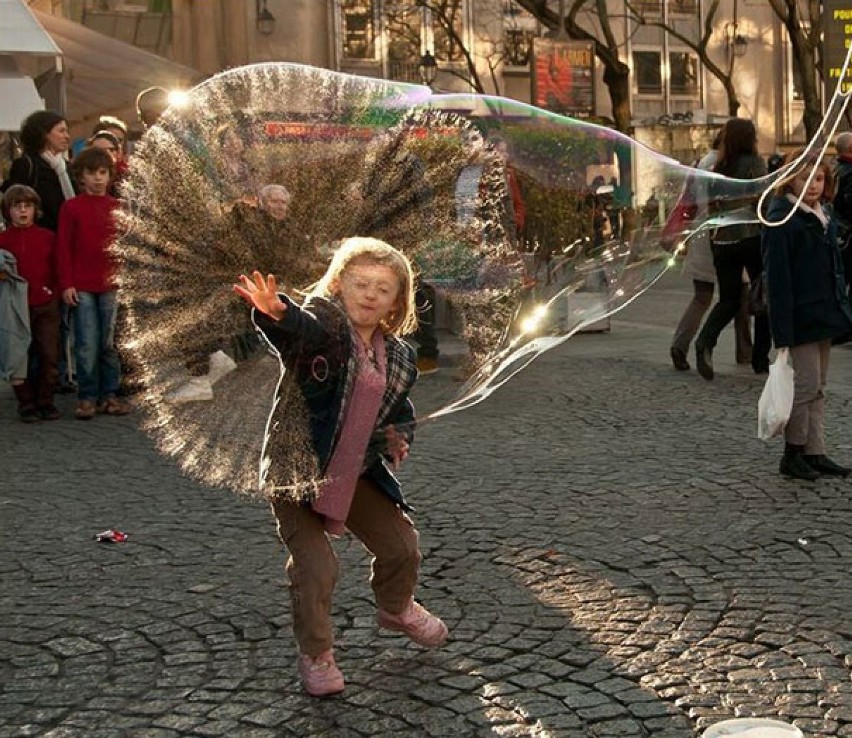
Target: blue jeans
(98,368)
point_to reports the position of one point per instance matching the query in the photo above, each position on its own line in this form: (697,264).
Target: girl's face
(95,182)
(369,292)
(22,214)
(58,139)
(813,194)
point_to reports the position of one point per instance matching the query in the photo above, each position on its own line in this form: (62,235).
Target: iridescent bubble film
(529,225)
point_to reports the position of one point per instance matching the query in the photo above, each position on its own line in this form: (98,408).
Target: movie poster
(563,76)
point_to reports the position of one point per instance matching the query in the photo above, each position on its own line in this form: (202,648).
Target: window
(414,27)
(519,29)
(358,28)
(683,73)
(798,96)
(649,7)
(648,72)
(686,7)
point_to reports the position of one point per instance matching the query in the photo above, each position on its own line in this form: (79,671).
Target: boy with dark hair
(87,280)
(34,250)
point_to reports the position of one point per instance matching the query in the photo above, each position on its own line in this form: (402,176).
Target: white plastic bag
(776,400)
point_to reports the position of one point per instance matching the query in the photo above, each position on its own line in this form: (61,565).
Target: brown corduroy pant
(312,568)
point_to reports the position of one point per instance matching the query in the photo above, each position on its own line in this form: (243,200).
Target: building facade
(488,45)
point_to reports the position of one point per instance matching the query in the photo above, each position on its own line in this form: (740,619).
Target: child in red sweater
(34,250)
(87,280)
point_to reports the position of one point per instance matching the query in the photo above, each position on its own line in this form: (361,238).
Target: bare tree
(805,32)
(403,20)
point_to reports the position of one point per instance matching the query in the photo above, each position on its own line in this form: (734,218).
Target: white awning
(20,98)
(20,32)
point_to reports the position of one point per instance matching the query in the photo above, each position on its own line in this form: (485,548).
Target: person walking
(808,307)
(698,266)
(735,247)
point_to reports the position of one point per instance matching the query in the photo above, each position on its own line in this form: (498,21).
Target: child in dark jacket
(34,250)
(808,307)
(87,280)
(355,375)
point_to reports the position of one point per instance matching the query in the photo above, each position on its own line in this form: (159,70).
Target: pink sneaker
(420,625)
(320,675)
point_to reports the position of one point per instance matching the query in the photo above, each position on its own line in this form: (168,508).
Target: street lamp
(428,69)
(737,43)
(265,19)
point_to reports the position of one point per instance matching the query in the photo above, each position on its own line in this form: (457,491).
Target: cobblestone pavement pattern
(611,546)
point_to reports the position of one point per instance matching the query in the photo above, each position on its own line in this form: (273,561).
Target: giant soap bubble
(530,226)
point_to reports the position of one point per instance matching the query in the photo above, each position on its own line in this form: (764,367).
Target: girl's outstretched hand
(262,294)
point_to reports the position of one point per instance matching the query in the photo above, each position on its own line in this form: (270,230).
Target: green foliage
(556,216)
(448,261)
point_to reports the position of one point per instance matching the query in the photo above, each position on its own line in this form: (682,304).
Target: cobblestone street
(610,544)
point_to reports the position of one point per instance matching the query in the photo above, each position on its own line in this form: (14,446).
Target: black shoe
(679,359)
(824,465)
(49,412)
(794,465)
(704,361)
(28,414)
(760,367)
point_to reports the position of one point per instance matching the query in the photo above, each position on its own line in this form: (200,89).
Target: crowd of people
(60,223)
(792,278)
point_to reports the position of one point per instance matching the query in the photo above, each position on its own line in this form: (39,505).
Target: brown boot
(26,403)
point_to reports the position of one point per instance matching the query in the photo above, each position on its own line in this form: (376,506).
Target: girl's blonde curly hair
(360,250)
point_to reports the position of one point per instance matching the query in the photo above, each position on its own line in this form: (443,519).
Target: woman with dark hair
(735,247)
(45,139)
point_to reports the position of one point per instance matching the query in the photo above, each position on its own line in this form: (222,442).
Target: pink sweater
(347,461)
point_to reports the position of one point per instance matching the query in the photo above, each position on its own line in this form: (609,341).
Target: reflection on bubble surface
(529,225)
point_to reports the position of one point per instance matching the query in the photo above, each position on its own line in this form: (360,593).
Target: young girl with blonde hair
(355,373)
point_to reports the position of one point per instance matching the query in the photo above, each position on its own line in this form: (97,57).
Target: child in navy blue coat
(808,307)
